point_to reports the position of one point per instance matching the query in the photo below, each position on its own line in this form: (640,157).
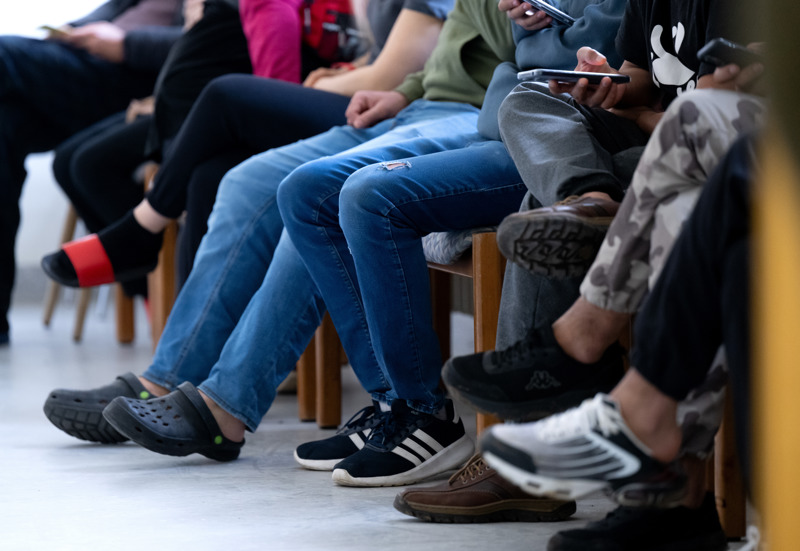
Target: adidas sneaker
(322,455)
(407,447)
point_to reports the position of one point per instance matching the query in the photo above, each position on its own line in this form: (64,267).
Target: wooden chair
(123,303)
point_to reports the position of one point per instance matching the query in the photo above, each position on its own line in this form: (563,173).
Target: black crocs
(179,424)
(79,413)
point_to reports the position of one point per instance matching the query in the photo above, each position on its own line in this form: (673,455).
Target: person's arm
(105,12)
(410,43)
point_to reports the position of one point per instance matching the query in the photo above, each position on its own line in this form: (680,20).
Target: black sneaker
(646,529)
(323,455)
(582,450)
(530,379)
(407,447)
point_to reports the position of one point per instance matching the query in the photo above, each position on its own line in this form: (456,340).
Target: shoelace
(393,429)
(358,419)
(753,539)
(594,413)
(474,468)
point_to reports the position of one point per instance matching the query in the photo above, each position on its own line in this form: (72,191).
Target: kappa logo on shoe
(542,380)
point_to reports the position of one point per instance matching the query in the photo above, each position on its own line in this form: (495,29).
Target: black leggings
(235,117)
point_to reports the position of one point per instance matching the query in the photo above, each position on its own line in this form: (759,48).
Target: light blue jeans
(358,219)
(249,307)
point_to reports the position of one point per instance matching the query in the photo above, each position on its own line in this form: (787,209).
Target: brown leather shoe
(557,241)
(476,493)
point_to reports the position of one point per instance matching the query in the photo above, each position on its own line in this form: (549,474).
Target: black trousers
(701,299)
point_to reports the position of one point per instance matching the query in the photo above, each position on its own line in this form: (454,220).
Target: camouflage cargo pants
(694,134)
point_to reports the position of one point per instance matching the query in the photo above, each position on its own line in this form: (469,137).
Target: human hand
(605,95)
(525,15)
(140,107)
(321,73)
(645,118)
(369,107)
(101,39)
(741,79)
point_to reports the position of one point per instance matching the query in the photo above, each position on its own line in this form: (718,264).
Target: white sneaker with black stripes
(322,455)
(407,447)
(584,449)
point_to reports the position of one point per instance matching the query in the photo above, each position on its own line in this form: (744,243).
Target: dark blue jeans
(48,91)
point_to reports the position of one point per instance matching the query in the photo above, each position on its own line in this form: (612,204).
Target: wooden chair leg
(161,283)
(487,285)
(84,297)
(728,482)
(307,383)
(125,316)
(329,375)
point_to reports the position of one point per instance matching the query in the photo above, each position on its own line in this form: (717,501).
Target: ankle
(231,427)
(585,331)
(150,219)
(152,388)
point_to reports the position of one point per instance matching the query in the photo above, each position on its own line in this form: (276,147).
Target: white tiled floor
(58,493)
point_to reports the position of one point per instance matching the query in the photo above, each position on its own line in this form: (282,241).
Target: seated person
(100,62)
(699,303)
(237,117)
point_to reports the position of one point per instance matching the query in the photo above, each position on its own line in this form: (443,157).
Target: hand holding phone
(720,52)
(55,32)
(552,11)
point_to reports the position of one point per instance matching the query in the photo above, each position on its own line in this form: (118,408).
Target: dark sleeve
(146,49)
(105,12)
(631,41)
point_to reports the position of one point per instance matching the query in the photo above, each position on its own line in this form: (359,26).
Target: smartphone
(720,52)
(54,31)
(552,11)
(570,76)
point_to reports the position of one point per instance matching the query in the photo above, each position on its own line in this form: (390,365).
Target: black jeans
(48,92)
(701,298)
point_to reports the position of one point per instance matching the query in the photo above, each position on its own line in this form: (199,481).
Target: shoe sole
(317,464)
(82,422)
(450,458)
(128,425)
(556,488)
(511,510)
(552,245)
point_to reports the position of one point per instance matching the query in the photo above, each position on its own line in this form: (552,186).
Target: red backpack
(329,29)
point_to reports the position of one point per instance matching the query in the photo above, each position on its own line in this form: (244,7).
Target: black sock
(129,245)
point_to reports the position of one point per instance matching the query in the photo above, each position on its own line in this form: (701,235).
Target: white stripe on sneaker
(408,456)
(359,440)
(422,451)
(429,440)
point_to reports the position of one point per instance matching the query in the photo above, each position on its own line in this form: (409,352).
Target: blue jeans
(357,219)
(48,91)
(248,308)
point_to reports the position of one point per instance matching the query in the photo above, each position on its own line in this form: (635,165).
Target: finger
(579,91)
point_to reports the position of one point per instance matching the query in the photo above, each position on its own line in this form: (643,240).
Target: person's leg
(233,258)
(235,113)
(680,327)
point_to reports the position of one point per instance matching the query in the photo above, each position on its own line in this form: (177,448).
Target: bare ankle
(231,427)
(152,388)
(585,331)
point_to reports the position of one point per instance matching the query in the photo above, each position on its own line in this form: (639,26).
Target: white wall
(43,203)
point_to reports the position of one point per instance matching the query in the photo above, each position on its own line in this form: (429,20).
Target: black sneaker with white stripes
(588,448)
(322,455)
(407,447)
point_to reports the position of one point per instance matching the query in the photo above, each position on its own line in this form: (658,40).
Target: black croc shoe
(179,424)
(79,413)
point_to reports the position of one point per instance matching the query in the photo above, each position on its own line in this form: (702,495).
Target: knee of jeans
(301,193)
(364,192)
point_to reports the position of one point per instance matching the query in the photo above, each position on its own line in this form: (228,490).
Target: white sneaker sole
(450,458)
(556,488)
(317,464)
